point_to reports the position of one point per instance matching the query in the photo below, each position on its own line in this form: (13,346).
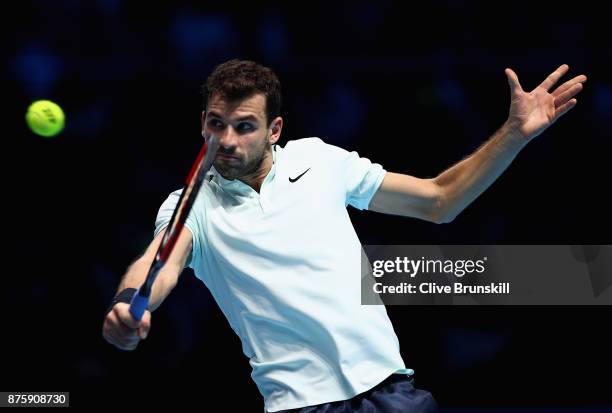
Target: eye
(215,123)
(245,127)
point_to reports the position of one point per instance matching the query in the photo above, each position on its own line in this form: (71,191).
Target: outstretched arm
(442,198)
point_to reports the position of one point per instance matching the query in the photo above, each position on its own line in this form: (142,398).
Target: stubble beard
(239,171)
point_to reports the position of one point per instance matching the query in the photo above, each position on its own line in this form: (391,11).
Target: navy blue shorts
(396,394)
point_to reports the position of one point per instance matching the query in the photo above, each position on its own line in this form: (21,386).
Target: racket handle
(138,305)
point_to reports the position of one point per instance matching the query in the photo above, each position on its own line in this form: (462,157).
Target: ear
(276,127)
(203,119)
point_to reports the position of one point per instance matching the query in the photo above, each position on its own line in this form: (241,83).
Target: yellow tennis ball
(45,118)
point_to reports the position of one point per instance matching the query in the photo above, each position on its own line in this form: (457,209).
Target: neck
(256,178)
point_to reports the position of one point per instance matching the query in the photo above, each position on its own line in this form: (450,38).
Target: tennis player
(270,236)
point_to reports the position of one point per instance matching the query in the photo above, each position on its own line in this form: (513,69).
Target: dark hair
(239,79)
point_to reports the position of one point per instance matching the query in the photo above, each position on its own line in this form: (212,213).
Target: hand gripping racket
(204,161)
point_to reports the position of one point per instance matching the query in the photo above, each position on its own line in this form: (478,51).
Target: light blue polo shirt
(284,266)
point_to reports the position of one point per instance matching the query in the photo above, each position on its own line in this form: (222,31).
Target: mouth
(224,156)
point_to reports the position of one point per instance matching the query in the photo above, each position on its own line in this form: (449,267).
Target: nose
(228,138)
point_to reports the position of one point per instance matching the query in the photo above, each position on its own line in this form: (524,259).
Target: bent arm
(169,274)
(442,198)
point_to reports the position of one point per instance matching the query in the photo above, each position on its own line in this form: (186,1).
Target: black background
(413,87)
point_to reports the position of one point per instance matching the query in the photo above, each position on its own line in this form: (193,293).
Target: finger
(142,333)
(143,330)
(563,109)
(567,95)
(513,81)
(125,342)
(112,323)
(554,77)
(123,312)
(568,84)
(121,342)
(107,334)
(124,330)
(129,345)
(115,326)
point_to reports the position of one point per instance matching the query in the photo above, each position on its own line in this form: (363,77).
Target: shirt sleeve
(361,178)
(163,219)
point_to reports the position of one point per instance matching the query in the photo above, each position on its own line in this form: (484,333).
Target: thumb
(513,81)
(145,325)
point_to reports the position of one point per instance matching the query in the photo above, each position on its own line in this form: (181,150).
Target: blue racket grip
(138,305)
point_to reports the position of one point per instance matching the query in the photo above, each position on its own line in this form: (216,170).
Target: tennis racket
(203,162)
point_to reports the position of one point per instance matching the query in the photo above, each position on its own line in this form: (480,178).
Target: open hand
(532,112)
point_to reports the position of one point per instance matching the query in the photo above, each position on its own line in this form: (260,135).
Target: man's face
(243,132)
